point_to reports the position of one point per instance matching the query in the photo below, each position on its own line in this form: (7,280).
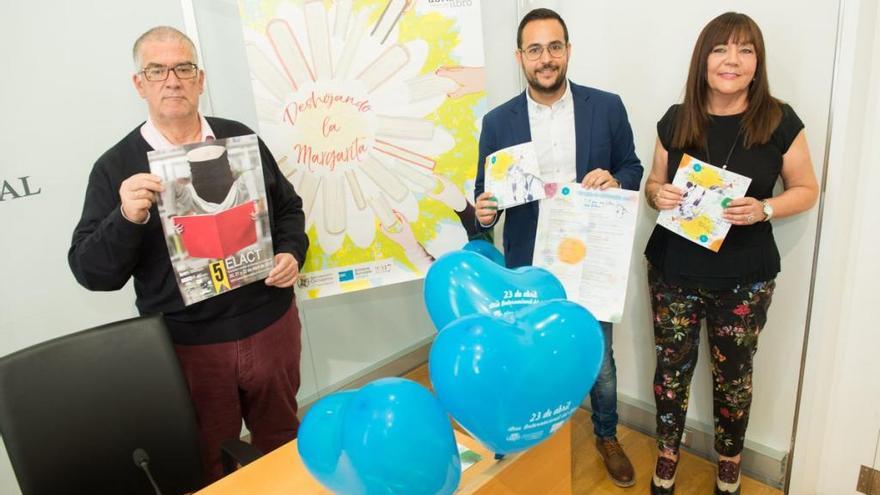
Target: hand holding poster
(513,176)
(585,238)
(214,215)
(706,191)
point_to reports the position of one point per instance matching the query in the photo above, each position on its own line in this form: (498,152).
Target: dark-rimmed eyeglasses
(155,73)
(534,52)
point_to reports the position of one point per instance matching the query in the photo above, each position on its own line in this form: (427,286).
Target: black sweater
(107,249)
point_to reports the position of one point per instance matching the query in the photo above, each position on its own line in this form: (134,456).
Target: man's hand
(285,273)
(137,195)
(599,178)
(487,208)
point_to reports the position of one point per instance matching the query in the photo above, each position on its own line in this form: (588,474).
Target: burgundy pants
(255,378)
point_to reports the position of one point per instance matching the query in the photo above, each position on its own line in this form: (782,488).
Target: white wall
(66,97)
(839,421)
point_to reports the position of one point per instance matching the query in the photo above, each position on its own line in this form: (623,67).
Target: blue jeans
(603,397)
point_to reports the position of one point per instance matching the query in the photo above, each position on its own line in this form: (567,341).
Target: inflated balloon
(486,249)
(463,283)
(512,381)
(391,437)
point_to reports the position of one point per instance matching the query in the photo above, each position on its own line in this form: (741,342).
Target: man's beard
(553,88)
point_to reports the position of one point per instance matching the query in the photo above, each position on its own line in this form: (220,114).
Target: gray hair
(161,33)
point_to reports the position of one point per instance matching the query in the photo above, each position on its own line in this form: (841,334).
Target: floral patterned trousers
(734,318)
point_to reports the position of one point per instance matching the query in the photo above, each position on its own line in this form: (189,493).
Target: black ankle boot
(727,482)
(663,482)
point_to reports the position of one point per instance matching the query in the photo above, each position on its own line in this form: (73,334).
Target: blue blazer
(603,139)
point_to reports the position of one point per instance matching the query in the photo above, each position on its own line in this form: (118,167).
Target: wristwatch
(768,210)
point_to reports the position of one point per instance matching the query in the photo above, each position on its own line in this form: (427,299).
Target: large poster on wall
(371,108)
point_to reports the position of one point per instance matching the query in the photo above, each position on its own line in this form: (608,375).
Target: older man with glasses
(579,134)
(239,351)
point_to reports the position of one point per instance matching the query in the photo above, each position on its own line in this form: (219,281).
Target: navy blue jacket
(603,139)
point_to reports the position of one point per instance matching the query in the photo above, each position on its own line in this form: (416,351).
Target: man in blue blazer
(580,134)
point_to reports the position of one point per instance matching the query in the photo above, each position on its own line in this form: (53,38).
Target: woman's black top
(749,253)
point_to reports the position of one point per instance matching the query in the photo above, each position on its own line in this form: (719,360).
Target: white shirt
(553,136)
(158,142)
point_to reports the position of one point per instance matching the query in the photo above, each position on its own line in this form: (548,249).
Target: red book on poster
(218,235)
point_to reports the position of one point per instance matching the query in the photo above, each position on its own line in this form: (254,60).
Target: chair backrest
(73,410)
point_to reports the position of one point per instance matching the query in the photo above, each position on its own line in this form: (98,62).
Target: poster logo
(450,3)
(219,275)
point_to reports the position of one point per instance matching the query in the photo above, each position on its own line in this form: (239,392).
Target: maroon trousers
(255,378)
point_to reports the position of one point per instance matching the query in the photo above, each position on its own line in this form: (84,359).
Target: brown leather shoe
(620,470)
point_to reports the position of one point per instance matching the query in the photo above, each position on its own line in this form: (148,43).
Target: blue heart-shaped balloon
(487,249)
(463,283)
(391,437)
(512,381)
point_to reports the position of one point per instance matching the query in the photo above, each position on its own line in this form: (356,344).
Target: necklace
(729,153)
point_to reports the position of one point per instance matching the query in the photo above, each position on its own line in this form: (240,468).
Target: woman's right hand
(667,197)
(661,195)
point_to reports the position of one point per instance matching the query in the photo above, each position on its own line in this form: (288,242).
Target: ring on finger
(750,218)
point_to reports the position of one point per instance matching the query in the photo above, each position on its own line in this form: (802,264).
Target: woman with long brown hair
(728,119)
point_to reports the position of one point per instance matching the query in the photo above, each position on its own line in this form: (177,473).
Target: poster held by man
(214,215)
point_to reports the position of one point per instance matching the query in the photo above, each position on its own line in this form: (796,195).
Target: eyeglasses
(156,73)
(534,52)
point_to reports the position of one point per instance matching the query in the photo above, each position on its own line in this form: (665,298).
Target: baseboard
(759,461)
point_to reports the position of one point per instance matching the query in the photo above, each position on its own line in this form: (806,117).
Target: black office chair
(75,410)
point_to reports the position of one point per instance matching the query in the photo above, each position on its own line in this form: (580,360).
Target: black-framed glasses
(534,52)
(155,73)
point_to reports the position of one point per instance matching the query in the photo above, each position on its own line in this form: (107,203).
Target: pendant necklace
(729,153)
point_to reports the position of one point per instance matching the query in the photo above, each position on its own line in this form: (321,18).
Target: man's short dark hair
(163,33)
(539,15)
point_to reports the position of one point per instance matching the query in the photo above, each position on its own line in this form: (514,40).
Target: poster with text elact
(213,212)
